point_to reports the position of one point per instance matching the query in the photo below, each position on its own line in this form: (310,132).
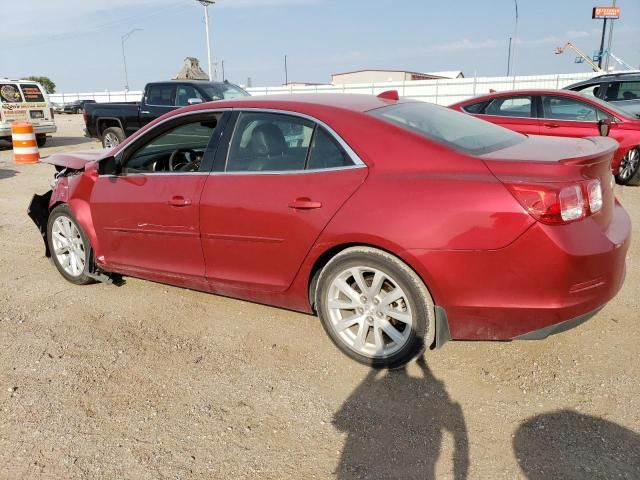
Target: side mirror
(194,101)
(604,126)
(109,166)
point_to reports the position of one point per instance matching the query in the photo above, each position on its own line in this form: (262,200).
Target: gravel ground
(147,381)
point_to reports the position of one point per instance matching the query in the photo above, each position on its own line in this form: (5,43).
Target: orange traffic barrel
(25,147)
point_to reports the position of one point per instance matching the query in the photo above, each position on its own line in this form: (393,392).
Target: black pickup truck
(113,122)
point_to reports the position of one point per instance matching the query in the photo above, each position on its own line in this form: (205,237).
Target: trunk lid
(75,160)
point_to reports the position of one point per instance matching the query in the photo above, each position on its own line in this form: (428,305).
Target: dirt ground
(147,381)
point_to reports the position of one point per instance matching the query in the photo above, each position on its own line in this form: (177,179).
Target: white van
(24,100)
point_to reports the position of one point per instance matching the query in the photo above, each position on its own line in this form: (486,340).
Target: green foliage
(46,83)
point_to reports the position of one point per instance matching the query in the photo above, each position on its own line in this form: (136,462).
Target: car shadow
(67,141)
(7,173)
(394,425)
(569,445)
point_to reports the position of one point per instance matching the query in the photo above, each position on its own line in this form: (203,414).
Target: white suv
(25,101)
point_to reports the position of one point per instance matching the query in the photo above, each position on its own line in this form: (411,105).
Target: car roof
(190,82)
(306,102)
(510,93)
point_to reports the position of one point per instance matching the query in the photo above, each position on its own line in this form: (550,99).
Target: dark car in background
(76,106)
(621,89)
(111,123)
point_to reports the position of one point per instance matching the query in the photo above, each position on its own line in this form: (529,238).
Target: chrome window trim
(353,156)
(157,174)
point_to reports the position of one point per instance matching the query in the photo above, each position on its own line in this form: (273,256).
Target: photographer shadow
(395,425)
(570,445)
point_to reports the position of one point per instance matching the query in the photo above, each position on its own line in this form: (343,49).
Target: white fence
(442,92)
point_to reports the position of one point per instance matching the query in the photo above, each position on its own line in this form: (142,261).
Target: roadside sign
(600,13)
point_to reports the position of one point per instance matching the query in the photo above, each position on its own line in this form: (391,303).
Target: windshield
(224,91)
(617,110)
(448,127)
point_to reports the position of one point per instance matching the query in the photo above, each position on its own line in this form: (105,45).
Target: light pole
(512,51)
(123,39)
(205,4)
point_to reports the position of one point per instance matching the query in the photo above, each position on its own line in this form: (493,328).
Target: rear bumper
(548,276)
(5,131)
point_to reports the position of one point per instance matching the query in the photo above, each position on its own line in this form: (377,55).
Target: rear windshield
(9,93)
(617,110)
(32,93)
(224,91)
(448,127)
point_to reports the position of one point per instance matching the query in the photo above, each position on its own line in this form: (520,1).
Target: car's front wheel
(629,172)
(69,246)
(374,307)
(112,137)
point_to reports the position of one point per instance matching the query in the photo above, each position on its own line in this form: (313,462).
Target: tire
(629,172)
(62,230)
(41,140)
(112,136)
(367,330)
(78,111)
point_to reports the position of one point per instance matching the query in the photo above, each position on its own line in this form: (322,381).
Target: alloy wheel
(629,164)
(369,312)
(68,246)
(110,140)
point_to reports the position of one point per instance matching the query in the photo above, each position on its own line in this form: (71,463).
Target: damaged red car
(401,224)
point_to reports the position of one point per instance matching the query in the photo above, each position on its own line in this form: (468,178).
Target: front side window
(186,92)
(510,107)
(179,149)
(224,91)
(448,127)
(161,95)
(564,108)
(269,142)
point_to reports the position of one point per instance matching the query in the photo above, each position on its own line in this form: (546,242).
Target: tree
(46,82)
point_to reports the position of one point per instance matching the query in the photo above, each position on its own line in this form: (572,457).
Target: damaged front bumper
(38,211)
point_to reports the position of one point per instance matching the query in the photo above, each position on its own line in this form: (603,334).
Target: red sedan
(402,224)
(562,113)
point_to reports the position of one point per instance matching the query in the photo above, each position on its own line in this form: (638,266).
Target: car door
(159,99)
(283,178)
(147,216)
(513,112)
(564,116)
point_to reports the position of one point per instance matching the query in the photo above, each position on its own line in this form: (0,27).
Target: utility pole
(509,57)
(205,4)
(286,72)
(515,42)
(123,39)
(223,77)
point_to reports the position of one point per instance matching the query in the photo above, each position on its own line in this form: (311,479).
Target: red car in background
(562,113)
(402,224)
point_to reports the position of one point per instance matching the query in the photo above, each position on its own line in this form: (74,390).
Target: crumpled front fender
(38,211)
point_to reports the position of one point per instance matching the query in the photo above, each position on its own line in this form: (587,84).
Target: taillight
(557,204)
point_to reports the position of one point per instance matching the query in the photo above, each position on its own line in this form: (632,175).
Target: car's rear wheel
(112,137)
(374,307)
(629,172)
(70,248)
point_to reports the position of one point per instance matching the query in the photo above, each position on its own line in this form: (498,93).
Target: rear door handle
(145,112)
(179,201)
(551,125)
(304,203)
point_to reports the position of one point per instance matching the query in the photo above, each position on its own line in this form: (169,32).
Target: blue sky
(77,42)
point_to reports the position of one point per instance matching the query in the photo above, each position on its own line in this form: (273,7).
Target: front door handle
(551,125)
(179,201)
(145,112)
(304,203)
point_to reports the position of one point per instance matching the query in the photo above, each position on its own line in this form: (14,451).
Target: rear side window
(475,108)
(32,93)
(161,95)
(9,93)
(621,91)
(564,108)
(590,90)
(448,127)
(510,107)
(326,153)
(268,142)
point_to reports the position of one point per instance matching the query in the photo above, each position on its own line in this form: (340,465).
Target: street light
(205,4)
(123,39)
